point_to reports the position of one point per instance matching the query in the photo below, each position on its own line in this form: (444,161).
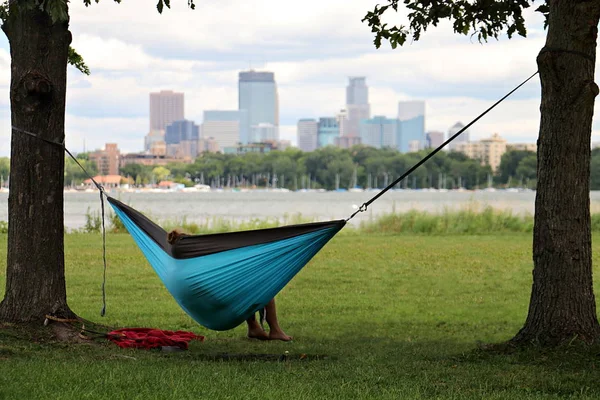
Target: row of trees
(327,168)
(331,168)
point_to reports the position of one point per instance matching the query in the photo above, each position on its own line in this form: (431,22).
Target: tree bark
(562,305)
(35,279)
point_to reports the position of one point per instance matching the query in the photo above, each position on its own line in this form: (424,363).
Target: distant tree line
(330,168)
(326,168)
(4,168)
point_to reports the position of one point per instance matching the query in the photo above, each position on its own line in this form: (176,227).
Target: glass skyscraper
(328,130)
(379,132)
(357,105)
(411,132)
(226,127)
(258,96)
(183,130)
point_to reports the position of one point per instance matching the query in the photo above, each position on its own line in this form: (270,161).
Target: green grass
(474,218)
(470,221)
(379,316)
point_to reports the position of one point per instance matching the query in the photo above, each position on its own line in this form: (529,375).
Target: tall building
(357,91)
(208,145)
(107,160)
(462,138)
(357,105)
(342,118)
(493,149)
(152,138)
(328,130)
(166,106)
(434,139)
(257,92)
(264,132)
(307,134)
(379,132)
(489,151)
(182,130)
(411,115)
(181,138)
(227,128)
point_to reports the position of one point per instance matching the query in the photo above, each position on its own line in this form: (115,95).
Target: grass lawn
(378,316)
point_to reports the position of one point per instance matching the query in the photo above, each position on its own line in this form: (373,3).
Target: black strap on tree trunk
(364,206)
(102,194)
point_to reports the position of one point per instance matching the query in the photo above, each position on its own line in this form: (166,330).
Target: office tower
(411,132)
(264,132)
(489,151)
(183,130)
(152,138)
(379,132)
(107,160)
(328,130)
(227,128)
(357,91)
(357,105)
(342,119)
(434,139)
(462,138)
(258,95)
(181,138)
(166,106)
(307,134)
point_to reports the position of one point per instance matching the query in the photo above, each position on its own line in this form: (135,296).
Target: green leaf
(4,11)
(484,18)
(76,60)
(57,9)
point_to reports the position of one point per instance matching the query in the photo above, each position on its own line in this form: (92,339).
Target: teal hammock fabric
(221,280)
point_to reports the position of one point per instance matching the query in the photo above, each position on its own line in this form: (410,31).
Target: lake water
(237,206)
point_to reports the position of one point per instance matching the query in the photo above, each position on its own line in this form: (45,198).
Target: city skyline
(456,76)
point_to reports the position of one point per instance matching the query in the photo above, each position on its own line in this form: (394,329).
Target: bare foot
(257,333)
(279,335)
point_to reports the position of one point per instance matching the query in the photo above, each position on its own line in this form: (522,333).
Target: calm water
(203,207)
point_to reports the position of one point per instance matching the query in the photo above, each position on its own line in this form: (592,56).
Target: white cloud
(4,69)
(94,133)
(288,132)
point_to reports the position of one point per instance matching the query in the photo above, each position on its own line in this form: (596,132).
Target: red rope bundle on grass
(148,338)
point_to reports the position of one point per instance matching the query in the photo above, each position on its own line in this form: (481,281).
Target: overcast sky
(312,46)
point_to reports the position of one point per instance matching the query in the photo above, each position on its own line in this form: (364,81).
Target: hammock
(220,280)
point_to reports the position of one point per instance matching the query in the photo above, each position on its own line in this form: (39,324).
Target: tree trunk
(35,279)
(562,305)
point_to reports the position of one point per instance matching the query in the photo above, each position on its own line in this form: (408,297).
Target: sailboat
(337,184)
(490,188)
(354,185)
